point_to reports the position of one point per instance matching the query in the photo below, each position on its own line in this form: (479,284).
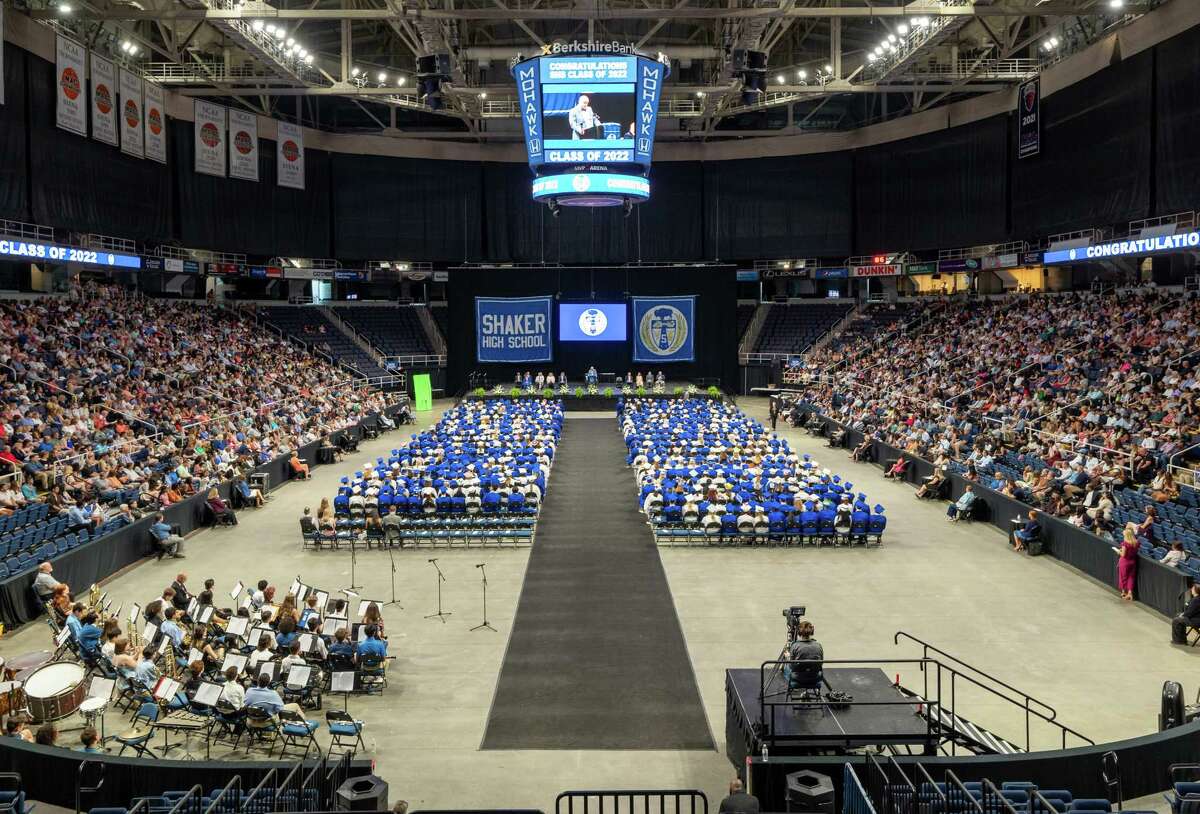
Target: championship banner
(70,111)
(512,330)
(1029,111)
(289,156)
(665,329)
(131,114)
(209,127)
(156,124)
(243,145)
(104,100)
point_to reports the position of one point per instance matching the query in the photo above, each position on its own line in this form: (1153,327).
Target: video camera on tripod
(793,615)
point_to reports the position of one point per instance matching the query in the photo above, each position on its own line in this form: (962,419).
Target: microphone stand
(353,561)
(393,601)
(485,624)
(441,614)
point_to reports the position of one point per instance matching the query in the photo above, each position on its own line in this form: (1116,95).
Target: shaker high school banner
(512,330)
(664,329)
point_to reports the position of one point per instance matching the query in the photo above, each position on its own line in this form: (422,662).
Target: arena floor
(956,586)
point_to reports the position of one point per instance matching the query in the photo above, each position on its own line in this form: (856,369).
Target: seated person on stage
(171,629)
(962,507)
(805,648)
(592,377)
(164,540)
(371,646)
(738,801)
(251,496)
(1190,617)
(232,692)
(147,671)
(75,620)
(44,584)
(263,697)
(342,648)
(61,603)
(261,653)
(291,659)
(322,650)
(88,636)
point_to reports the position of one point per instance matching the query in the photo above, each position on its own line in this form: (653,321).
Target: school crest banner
(664,329)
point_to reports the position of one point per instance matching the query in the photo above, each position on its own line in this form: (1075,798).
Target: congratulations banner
(664,329)
(512,330)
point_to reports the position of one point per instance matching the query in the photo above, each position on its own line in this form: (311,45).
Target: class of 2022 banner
(513,329)
(664,329)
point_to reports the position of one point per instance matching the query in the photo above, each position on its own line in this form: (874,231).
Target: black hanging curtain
(14,160)
(259,218)
(85,185)
(1177,118)
(936,190)
(1094,164)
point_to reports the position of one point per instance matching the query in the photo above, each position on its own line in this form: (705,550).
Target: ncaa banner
(1029,110)
(209,127)
(512,330)
(289,156)
(104,100)
(71,109)
(131,114)
(664,329)
(156,124)
(243,145)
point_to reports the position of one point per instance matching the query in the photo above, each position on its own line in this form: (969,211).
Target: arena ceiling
(349,65)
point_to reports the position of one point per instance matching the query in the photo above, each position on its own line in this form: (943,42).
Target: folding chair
(259,725)
(344,731)
(371,675)
(136,739)
(294,732)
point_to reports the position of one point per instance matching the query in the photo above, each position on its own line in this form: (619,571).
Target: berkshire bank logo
(290,151)
(1030,97)
(210,135)
(69,82)
(133,116)
(243,143)
(103,99)
(154,120)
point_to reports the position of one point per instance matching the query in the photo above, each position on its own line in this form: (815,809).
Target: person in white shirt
(1175,556)
(232,692)
(261,653)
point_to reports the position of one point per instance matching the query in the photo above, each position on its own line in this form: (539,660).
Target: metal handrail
(994,801)
(696,799)
(926,647)
(956,789)
(194,794)
(81,789)
(234,784)
(267,782)
(936,789)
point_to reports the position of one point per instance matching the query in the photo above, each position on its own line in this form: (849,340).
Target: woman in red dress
(1127,564)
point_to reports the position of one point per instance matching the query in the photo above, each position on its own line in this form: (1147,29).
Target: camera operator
(804,648)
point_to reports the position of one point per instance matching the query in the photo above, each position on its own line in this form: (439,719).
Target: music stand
(353,561)
(441,614)
(343,682)
(393,601)
(484,624)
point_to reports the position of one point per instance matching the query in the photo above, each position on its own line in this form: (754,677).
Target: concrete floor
(956,586)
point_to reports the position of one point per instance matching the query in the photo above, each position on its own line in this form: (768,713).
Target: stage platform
(605,397)
(879,715)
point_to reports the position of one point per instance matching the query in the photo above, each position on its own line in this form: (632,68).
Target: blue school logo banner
(666,329)
(512,330)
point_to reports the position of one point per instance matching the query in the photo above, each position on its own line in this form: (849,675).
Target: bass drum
(55,691)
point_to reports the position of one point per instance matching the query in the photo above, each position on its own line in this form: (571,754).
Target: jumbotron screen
(589,109)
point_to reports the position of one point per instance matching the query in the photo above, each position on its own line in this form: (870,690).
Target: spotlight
(270,28)
(257,25)
(872,56)
(64,8)
(829,69)
(133,50)
(902,29)
(290,42)
(280,33)
(1054,42)
(891,37)
(699,94)
(802,74)
(126,45)
(400,81)
(308,59)
(382,76)
(355,72)
(483,95)
(878,51)
(779,79)
(1116,3)
(303,53)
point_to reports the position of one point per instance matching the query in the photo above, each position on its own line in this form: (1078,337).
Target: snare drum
(55,691)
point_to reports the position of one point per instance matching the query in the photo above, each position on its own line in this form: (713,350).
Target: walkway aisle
(596,658)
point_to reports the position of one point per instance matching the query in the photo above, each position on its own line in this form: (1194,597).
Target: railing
(228,798)
(993,802)
(1039,804)
(190,803)
(287,795)
(959,797)
(750,337)
(1029,704)
(854,797)
(108,244)
(81,789)
(26,231)
(895,795)
(334,778)
(767,358)
(632,801)
(414,360)
(261,797)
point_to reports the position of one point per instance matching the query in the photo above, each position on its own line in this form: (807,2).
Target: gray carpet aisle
(596,658)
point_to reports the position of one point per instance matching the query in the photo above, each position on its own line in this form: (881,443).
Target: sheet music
(206,613)
(149,632)
(134,613)
(298,676)
(234,660)
(246,603)
(363,604)
(165,645)
(301,592)
(237,626)
(322,598)
(258,632)
(194,656)
(307,640)
(102,687)
(207,694)
(360,632)
(295,589)
(191,608)
(342,682)
(63,635)
(338,623)
(166,688)
(269,669)
(237,588)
